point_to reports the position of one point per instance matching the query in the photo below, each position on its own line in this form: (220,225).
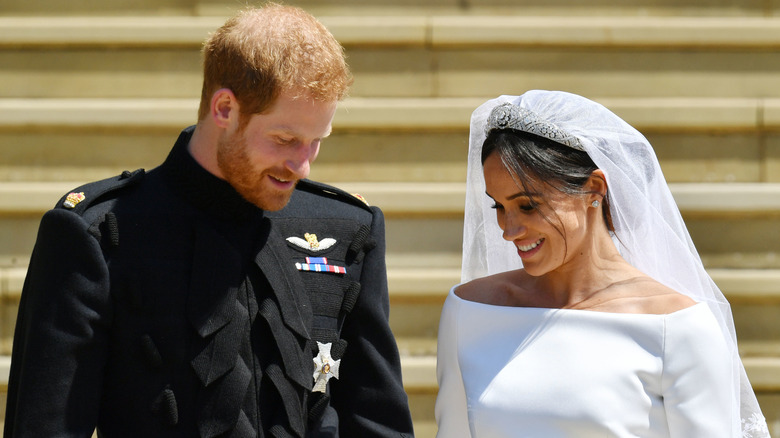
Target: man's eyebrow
(287,130)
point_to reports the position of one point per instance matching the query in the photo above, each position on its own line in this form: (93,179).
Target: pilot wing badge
(311,243)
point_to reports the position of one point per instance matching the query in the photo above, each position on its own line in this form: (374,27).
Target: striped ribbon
(320,264)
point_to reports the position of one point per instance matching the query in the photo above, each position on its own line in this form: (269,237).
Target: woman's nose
(514,227)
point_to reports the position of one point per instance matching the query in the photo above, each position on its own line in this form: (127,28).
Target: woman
(584,309)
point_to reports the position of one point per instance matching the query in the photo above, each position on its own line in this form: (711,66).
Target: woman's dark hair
(530,157)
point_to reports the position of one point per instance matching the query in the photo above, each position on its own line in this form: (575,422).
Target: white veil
(650,230)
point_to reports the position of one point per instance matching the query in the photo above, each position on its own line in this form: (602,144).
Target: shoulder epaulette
(81,198)
(333,192)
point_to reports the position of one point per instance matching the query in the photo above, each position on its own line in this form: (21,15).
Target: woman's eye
(527,207)
(497,206)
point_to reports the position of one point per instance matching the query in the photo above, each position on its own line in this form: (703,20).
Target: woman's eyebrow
(518,195)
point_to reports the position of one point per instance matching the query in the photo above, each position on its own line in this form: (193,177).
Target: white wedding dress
(546,373)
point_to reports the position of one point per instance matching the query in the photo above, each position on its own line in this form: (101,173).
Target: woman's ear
(596,186)
(224,108)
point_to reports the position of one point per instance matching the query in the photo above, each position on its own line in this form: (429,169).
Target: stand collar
(201,188)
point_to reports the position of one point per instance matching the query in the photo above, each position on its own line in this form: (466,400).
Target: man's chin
(269,201)
(276,206)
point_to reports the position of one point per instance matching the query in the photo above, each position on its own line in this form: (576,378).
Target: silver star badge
(324,367)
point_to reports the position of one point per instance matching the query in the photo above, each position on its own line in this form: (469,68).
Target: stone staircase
(92,88)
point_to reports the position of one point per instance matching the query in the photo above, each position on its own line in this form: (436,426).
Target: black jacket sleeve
(61,333)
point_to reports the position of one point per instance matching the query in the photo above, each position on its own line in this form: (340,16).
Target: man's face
(264,160)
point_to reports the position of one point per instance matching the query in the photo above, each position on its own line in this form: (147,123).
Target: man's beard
(236,167)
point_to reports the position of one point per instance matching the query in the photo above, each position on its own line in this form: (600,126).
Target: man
(220,294)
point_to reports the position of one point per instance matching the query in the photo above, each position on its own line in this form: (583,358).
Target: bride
(585,310)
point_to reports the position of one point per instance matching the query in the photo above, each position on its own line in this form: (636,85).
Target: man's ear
(224,108)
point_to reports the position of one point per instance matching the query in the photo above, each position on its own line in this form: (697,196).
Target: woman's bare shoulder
(496,289)
(487,289)
(645,295)
(476,288)
(670,302)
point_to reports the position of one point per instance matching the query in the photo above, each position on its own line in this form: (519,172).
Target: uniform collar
(201,188)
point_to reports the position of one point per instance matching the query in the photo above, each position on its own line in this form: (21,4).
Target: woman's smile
(525,251)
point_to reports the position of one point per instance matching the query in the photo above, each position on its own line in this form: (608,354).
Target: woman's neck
(592,268)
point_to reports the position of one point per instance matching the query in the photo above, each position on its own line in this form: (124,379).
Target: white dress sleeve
(451,406)
(697,378)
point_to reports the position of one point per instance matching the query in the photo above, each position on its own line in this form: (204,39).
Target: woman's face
(540,244)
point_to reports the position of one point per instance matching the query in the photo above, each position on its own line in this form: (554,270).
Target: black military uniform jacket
(162,304)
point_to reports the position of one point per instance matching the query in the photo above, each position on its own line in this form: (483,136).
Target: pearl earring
(595,204)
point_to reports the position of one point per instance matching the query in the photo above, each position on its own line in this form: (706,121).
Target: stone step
(378,139)
(699,199)
(355,156)
(378,114)
(391,8)
(408,56)
(722,241)
(520,29)
(412,71)
(416,200)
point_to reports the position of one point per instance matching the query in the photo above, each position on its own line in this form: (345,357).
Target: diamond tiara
(508,116)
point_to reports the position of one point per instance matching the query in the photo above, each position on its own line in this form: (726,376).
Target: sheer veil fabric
(649,230)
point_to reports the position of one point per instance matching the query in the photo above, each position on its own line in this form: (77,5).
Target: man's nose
(299,162)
